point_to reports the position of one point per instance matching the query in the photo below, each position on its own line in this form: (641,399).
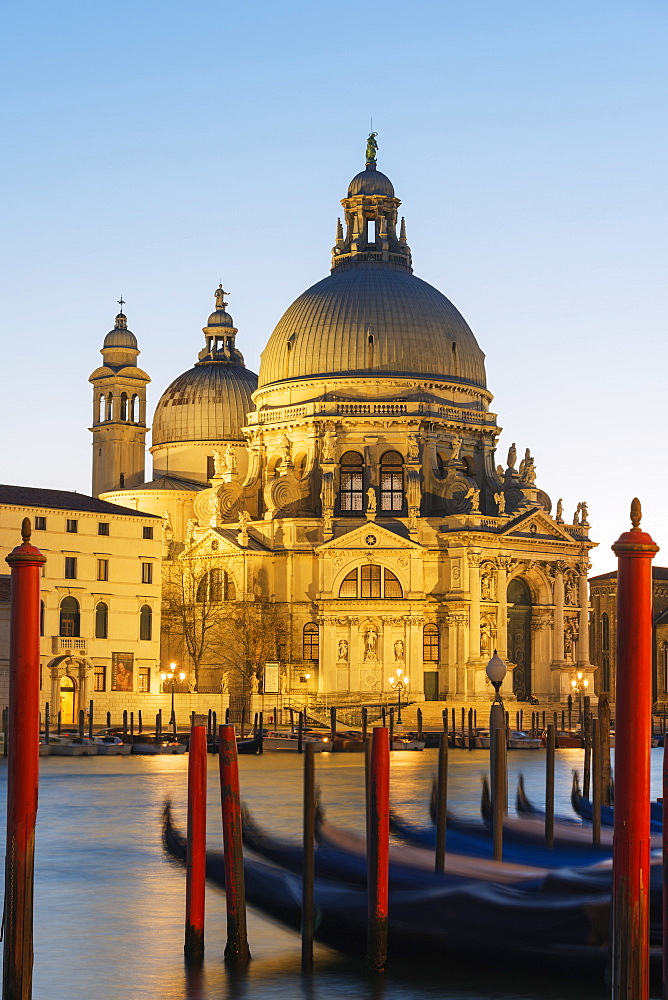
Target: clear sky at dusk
(155,149)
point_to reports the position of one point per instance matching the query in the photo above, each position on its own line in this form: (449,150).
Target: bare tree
(248,634)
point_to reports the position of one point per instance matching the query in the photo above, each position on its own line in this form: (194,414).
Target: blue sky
(155,149)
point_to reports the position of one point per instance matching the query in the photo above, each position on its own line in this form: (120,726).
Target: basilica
(353,488)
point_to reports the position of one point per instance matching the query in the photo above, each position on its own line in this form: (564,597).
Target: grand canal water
(109,906)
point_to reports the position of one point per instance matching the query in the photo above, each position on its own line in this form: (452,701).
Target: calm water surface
(109,907)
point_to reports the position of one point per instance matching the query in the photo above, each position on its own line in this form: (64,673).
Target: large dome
(207,403)
(368,318)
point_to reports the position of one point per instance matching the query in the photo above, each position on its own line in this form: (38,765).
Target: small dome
(120,336)
(220,318)
(371,181)
(207,403)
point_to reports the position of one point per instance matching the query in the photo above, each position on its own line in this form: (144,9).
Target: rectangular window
(72,526)
(40,523)
(391,490)
(352,484)
(70,567)
(147,531)
(370,581)
(147,572)
(103,569)
(100,676)
(144,680)
(103,527)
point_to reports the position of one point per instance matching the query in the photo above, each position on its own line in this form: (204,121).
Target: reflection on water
(109,907)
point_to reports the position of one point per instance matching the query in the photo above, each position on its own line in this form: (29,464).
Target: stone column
(583,643)
(413,657)
(83,688)
(474,608)
(502,566)
(558,641)
(54,706)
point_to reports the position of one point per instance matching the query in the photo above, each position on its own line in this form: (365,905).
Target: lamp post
(170,677)
(580,685)
(496,670)
(398,682)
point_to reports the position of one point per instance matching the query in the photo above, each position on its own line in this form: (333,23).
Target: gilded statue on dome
(371,146)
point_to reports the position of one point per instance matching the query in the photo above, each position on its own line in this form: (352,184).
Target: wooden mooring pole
(441,802)
(549,785)
(499,794)
(196,845)
(236,950)
(26,564)
(378,850)
(308,862)
(635,550)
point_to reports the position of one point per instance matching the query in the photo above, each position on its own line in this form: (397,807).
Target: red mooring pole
(664,816)
(22,767)
(378,850)
(635,550)
(236,949)
(196,847)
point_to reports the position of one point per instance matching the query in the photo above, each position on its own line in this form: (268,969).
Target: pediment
(212,543)
(359,538)
(545,527)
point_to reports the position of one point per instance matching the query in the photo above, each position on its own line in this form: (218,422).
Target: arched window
(216,585)
(351,485)
(311,642)
(101,620)
(100,408)
(69,617)
(124,406)
(42,608)
(605,632)
(430,644)
(134,409)
(370,581)
(110,405)
(391,481)
(145,623)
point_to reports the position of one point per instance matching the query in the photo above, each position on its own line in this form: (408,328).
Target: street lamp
(399,682)
(496,670)
(580,685)
(170,677)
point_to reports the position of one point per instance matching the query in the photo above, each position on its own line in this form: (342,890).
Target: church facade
(351,493)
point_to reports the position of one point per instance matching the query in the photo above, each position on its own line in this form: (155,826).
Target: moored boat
(111,746)
(149,745)
(289,741)
(71,746)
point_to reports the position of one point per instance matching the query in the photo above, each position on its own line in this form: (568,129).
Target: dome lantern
(220,333)
(370,210)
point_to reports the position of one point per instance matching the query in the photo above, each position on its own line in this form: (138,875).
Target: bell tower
(119,412)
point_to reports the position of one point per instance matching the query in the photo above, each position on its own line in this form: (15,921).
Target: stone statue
(500,500)
(568,643)
(343,650)
(220,297)
(456,445)
(225,682)
(328,446)
(576,515)
(486,586)
(413,448)
(218,463)
(254,684)
(167,532)
(283,683)
(399,650)
(484,639)
(474,496)
(512,456)
(584,511)
(371,147)
(370,643)
(570,591)
(230,460)
(284,449)
(500,471)
(527,469)
(560,512)
(371,499)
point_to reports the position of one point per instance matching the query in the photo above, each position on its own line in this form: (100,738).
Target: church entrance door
(430,685)
(67,691)
(519,637)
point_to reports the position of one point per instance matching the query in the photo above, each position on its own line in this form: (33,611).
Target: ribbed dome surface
(371,181)
(416,331)
(207,403)
(120,338)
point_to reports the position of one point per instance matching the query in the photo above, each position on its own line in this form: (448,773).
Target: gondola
(496,925)
(585,808)
(250,744)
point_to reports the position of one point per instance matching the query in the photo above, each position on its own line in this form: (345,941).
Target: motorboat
(567,739)
(112,746)
(151,744)
(72,746)
(518,740)
(274,740)
(406,743)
